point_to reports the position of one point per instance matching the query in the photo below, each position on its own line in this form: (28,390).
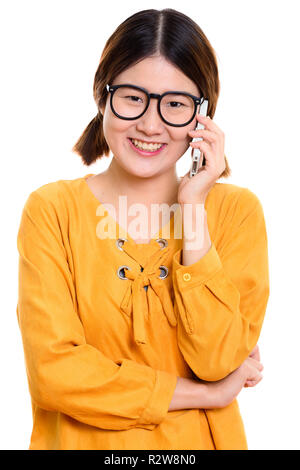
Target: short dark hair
(149,33)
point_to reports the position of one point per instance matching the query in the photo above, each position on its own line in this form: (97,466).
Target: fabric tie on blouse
(136,301)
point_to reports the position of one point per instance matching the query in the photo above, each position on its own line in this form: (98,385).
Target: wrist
(189,393)
(196,238)
(192,202)
(204,395)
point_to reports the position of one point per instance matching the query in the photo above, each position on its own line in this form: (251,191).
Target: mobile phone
(197,155)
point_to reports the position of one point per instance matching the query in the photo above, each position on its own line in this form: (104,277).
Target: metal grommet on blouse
(121,273)
(162,242)
(120,243)
(164,272)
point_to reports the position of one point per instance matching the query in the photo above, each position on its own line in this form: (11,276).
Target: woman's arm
(65,374)
(190,393)
(221,297)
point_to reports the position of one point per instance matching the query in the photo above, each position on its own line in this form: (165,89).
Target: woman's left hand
(255,354)
(195,189)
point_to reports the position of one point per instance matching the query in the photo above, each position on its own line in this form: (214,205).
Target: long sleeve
(221,299)
(65,374)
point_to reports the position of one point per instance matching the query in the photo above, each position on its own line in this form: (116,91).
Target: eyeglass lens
(175,108)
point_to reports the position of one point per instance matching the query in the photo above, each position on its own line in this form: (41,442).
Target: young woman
(135,339)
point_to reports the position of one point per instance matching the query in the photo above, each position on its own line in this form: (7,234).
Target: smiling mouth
(150,147)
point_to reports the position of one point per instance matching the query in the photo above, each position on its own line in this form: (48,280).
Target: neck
(162,188)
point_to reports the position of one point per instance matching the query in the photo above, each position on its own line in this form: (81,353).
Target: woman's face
(156,75)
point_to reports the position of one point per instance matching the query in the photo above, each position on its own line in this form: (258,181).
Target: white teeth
(144,146)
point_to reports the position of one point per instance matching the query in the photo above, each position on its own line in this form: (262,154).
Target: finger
(258,377)
(205,134)
(255,354)
(254,380)
(209,124)
(199,144)
(213,159)
(203,146)
(249,383)
(253,373)
(252,383)
(258,365)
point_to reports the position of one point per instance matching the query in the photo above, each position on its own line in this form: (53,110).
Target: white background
(50,51)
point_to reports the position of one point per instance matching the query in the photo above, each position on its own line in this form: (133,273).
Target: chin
(142,171)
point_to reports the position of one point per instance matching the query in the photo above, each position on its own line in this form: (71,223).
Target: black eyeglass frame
(197,101)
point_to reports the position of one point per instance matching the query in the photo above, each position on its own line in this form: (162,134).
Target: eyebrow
(143,88)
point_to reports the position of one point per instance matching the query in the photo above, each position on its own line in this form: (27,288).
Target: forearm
(196,240)
(191,394)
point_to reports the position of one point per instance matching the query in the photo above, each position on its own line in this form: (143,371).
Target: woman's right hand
(222,392)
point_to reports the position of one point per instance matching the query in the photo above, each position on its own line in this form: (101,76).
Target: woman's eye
(133,98)
(175,104)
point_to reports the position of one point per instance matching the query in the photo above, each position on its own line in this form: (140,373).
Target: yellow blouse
(109,324)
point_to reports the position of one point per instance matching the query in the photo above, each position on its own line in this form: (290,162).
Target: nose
(150,123)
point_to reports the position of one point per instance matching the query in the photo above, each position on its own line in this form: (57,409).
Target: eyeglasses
(176,108)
